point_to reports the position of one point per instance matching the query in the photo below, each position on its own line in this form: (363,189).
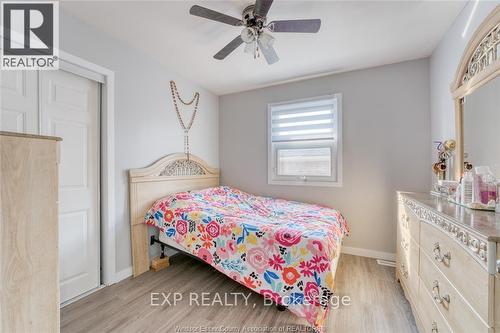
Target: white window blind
(304,142)
(308,120)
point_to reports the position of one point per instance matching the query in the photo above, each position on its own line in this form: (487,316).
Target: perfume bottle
(497,206)
(484,186)
(466,188)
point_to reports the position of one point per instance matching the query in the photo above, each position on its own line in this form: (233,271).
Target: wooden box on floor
(29,264)
(160,263)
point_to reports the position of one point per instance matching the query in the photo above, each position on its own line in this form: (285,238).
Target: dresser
(29,264)
(446,262)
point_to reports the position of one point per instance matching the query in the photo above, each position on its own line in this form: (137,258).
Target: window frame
(336,148)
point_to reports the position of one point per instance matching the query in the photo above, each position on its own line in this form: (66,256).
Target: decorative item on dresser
(29,262)
(446,262)
(445,154)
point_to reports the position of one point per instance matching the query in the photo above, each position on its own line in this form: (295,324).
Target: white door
(19,101)
(69,108)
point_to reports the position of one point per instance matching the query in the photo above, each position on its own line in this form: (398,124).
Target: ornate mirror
(476,91)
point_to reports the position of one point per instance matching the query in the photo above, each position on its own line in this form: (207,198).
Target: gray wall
(146,127)
(386,145)
(443,66)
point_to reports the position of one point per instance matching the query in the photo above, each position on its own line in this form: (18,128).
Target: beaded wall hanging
(195,100)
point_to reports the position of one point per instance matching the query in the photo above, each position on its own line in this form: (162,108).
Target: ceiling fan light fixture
(248,35)
(250,48)
(266,40)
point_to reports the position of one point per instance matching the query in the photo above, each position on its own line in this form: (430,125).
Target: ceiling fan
(254,33)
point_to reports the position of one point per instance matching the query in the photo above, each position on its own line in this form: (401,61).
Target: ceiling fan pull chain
(196,100)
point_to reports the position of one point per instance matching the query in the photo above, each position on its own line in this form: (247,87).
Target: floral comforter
(280,249)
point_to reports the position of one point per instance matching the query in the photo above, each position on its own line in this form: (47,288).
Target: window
(305,142)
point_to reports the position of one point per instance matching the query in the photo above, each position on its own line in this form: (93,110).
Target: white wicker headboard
(170,174)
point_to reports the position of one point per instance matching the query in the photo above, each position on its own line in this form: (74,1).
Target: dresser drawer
(413,268)
(459,267)
(428,315)
(459,315)
(409,265)
(409,222)
(402,268)
(403,245)
(401,254)
(414,225)
(403,219)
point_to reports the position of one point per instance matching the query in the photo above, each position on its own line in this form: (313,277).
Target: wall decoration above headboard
(186,128)
(170,174)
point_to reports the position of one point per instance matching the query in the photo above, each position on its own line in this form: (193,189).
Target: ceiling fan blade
(295,25)
(269,53)
(229,48)
(262,7)
(214,16)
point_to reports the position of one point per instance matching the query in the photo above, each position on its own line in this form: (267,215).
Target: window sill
(305,183)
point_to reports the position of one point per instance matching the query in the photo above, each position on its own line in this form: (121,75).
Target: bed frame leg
(281,307)
(152,242)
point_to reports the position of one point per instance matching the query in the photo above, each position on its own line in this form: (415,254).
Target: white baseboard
(119,276)
(389,263)
(128,272)
(356,251)
(79,297)
(123,274)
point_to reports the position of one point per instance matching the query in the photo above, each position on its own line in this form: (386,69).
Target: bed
(287,251)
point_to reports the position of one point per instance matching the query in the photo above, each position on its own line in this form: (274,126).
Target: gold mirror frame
(480,64)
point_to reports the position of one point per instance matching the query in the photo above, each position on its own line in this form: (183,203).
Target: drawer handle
(437,297)
(438,256)
(434,327)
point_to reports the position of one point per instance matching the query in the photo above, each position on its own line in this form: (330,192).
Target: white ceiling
(353,35)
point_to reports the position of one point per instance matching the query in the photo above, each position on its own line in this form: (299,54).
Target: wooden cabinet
(29,264)
(447,264)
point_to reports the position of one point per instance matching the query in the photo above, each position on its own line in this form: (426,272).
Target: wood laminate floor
(377,303)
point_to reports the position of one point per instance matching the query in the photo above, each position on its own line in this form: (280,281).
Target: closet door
(19,101)
(69,107)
